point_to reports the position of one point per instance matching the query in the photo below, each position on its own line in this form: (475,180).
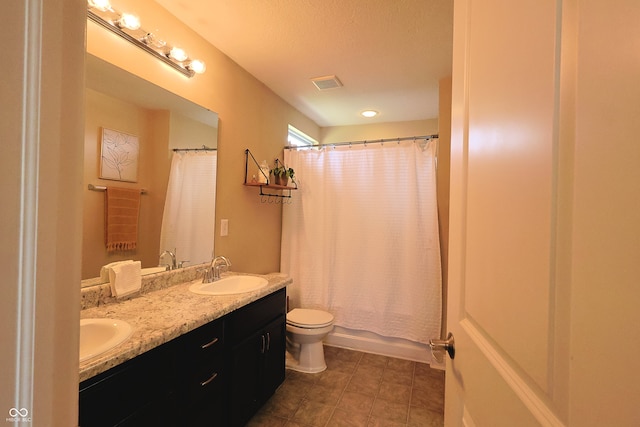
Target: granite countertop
(158,317)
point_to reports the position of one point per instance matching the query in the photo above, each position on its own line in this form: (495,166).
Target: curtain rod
(371,141)
(204,148)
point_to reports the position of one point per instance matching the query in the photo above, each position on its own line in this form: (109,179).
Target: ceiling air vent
(326,82)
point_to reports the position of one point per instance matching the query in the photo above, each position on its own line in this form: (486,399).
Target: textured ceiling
(389,54)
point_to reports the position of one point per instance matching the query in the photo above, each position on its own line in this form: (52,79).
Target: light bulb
(369,113)
(197,66)
(102,5)
(178,54)
(129,21)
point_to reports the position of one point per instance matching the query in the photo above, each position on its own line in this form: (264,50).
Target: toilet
(306,328)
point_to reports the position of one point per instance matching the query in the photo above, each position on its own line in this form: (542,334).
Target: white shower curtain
(360,238)
(188,221)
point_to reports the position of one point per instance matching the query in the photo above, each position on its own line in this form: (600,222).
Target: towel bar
(103,188)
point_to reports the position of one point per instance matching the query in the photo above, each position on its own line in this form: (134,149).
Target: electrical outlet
(224,227)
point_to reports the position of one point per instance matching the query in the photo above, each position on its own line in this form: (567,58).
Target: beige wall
(251,116)
(190,133)
(378,131)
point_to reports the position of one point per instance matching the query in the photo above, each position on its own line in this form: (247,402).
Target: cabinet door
(137,390)
(244,378)
(274,357)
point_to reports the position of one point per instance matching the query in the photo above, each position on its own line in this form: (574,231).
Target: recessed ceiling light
(369,113)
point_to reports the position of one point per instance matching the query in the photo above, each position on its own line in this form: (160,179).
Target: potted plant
(281,174)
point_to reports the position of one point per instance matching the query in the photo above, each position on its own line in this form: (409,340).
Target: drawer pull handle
(213,377)
(209,344)
(268,341)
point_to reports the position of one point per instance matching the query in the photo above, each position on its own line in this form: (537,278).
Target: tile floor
(358,389)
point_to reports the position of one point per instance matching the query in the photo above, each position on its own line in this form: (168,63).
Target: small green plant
(282,173)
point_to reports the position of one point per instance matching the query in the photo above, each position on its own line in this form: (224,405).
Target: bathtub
(370,342)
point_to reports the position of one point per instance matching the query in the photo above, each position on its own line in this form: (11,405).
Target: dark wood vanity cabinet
(141,391)
(216,375)
(256,356)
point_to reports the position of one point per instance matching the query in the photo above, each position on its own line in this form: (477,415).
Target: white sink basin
(229,285)
(100,335)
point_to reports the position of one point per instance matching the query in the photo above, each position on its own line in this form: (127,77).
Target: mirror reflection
(129,107)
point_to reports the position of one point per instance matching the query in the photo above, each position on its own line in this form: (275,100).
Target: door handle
(448,345)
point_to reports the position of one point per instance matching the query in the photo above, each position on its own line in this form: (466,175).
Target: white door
(544,260)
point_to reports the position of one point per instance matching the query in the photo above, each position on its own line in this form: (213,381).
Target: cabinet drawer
(206,379)
(204,343)
(246,320)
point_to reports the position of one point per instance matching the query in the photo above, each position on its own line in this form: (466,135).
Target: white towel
(104,271)
(125,278)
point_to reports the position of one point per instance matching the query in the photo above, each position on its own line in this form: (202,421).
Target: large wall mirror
(160,121)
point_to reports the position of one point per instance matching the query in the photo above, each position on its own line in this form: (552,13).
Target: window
(298,138)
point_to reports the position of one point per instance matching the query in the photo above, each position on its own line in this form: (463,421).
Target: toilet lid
(308,318)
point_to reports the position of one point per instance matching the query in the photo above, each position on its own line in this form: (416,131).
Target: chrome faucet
(218,264)
(173,264)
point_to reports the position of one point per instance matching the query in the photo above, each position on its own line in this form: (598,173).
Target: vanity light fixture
(128,27)
(178,54)
(197,66)
(101,5)
(369,113)
(129,21)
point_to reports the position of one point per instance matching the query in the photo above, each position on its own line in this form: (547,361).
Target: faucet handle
(181,263)
(207,275)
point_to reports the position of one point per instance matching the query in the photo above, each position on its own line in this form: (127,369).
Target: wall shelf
(268,186)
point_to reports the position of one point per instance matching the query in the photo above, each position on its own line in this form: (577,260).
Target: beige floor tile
(369,370)
(364,384)
(356,402)
(397,377)
(347,367)
(369,359)
(344,418)
(333,379)
(358,389)
(428,385)
(379,422)
(424,368)
(395,392)
(392,411)
(282,405)
(401,365)
(428,400)
(342,354)
(299,377)
(421,417)
(313,413)
(324,395)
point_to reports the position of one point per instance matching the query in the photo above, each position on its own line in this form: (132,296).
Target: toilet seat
(307,318)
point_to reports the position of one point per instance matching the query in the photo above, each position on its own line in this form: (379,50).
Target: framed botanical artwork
(119,156)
